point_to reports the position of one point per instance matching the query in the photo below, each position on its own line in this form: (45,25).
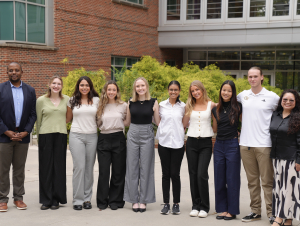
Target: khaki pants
(258,165)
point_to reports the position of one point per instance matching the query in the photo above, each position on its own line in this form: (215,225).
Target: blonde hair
(49,89)
(104,99)
(135,96)
(190,104)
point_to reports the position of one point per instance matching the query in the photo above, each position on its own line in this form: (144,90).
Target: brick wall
(89,33)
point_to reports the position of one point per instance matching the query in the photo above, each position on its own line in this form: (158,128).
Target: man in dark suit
(17,118)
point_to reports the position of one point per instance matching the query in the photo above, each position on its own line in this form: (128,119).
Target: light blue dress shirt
(18,97)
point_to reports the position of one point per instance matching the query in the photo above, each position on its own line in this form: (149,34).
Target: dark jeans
(52,168)
(15,154)
(227,168)
(170,160)
(111,151)
(198,153)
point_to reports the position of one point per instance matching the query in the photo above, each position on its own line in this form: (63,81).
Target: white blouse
(200,123)
(170,132)
(84,117)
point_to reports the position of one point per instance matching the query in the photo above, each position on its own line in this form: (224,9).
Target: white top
(170,132)
(257,112)
(84,117)
(200,123)
(112,118)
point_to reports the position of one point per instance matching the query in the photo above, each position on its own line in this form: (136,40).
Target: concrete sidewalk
(67,216)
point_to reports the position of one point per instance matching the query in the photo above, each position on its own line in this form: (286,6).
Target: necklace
(225,109)
(142,102)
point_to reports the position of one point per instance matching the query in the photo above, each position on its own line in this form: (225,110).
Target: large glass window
(214,8)
(235,8)
(117,63)
(257,8)
(135,1)
(197,55)
(224,55)
(258,55)
(281,7)
(193,9)
(298,7)
(22,20)
(173,9)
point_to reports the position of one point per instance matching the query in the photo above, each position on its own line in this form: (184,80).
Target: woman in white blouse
(199,146)
(82,108)
(111,147)
(170,134)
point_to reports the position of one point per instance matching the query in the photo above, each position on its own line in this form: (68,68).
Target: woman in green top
(52,142)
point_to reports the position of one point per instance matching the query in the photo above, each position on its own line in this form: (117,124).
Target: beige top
(84,117)
(112,118)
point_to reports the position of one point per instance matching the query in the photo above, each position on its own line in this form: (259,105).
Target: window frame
(114,64)
(242,19)
(258,19)
(281,18)
(165,13)
(26,2)
(295,11)
(212,21)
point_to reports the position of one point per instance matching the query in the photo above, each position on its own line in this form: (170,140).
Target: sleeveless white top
(200,123)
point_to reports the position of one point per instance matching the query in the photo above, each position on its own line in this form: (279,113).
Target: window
(23,21)
(171,63)
(214,8)
(235,8)
(193,9)
(257,8)
(298,7)
(135,1)
(281,7)
(173,9)
(117,63)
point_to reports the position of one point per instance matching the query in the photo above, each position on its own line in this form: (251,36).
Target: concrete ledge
(27,46)
(130,4)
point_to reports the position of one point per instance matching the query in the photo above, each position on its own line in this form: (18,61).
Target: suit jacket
(7,111)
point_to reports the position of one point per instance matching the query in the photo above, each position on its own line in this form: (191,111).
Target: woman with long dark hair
(82,108)
(198,146)
(111,147)
(51,130)
(227,159)
(285,154)
(170,135)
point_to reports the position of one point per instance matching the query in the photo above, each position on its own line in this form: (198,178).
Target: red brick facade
(89,33)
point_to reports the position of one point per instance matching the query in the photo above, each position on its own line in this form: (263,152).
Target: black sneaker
(166,209)
(271,219)
(175,209)
(251,217)
(87,205)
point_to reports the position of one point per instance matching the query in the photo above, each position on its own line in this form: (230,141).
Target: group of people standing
(270,132)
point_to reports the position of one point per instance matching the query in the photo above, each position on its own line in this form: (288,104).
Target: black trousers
(52,168)
(198,153)
(170,160)
(111,151)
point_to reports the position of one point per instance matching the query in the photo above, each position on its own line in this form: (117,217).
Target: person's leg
(233,181)
(78,151)
(18,163)
(6,156)
(90,156)
(165,161)
(147,155)
(192,155)
(118,169)
(252,172)
(202,174)
(60,174)
(176,160)
(221,202)
(104,161)
(45,142)
(131,191)
(266,174)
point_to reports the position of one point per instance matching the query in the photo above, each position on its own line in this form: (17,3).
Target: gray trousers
(83,148)
(15,154)
(139,181)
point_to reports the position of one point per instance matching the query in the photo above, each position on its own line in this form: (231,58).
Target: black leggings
(170,164)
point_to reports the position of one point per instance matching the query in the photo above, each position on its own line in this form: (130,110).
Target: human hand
(10,134)
(22,134)
(297,167)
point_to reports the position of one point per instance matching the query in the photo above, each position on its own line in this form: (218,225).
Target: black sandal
(280,224)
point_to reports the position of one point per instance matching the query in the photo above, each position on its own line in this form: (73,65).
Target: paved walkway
(67,216)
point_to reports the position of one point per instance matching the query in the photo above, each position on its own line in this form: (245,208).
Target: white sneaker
(202,214)
(194,213)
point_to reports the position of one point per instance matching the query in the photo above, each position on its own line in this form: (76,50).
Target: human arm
(215,124)
(39,113)
(32,116)
(156,113)
(185,119)
(69,115)
(128,116)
